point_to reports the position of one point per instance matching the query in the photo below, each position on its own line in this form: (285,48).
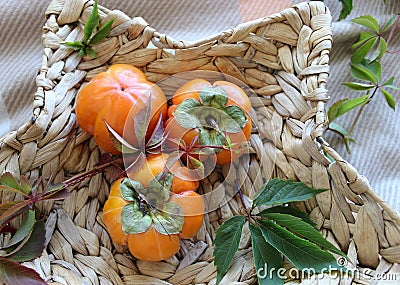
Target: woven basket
(284,58)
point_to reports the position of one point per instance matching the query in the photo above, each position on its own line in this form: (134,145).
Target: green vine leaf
(265,257)
(277,191)
(363,50)
(359,86)
(300,252)
(389,24)
(390,84)
(358,71)
(343,106)
(347,7)
(364,36)
(12,272)
(380,50)
(226,244)
(389,99)
(367,21)
(302,229)
(343,133)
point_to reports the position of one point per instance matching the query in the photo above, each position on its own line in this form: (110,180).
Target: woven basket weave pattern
(284,58)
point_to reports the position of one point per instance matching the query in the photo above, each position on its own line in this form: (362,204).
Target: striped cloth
(377,151)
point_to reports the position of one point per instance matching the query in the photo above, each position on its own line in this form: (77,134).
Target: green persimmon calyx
(150,206)
(211,116)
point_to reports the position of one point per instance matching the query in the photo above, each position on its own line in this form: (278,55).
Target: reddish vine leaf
(12,272)
(13,211)
(34,245)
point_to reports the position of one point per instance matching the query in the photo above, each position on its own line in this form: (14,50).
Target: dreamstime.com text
(330,272)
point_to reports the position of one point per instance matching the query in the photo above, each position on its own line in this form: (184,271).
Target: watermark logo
(329,273)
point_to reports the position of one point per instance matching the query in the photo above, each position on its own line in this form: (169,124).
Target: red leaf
(158,135)
(12,272)
(141,121)
(114,172)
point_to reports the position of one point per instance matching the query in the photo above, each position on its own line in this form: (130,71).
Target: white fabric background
(377,151)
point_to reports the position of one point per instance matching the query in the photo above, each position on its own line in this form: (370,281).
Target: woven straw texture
(284,58)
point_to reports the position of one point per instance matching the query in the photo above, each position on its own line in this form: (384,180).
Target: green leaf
(34,246)
(12,272)
(303,229)
(92,23)
(363,50)
(74,45)
(265,257)
(367,21)
(358,71)
(359,86)
(24,229)
(103,32)
(374,67)
(14,211)
(364,36)
(345,105)
(170,220)
(389,99)
(277,191)
(91,52)
(211,138)
(213,97)
(343,133)
(389,84)
(130,189)
(300,252)
(239,119)
(134,221)
(226,244)
(290,211)
(380,50)
(338,129)
(347,6)
(183,114)
(142,120)
(389,24)
(7,179)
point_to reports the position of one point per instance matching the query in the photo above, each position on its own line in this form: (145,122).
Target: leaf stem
(90,173)
(361,110)
(389,38)
(248,214)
